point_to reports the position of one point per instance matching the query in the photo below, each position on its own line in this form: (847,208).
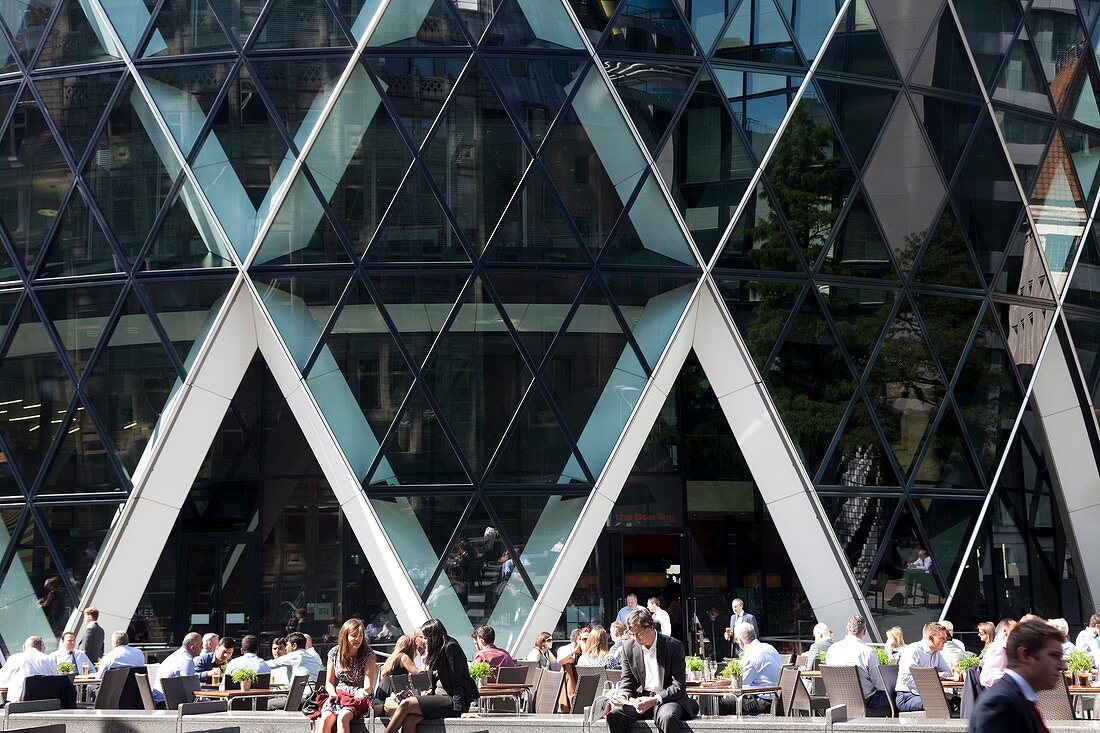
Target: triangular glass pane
(186,309)
(536,305)
(76,104)
(593,17)
(857,47)
(1023,272)
(27,29)
(415,228)
(180,243)
(859,313)
(8,93)
(949,322)
(708,168)
(33,571)
(648,234)
(760,240)
(537,451)
(858,250)
(860,112)
(301,306)
(425,23)
(9,301)
(420,528)
(532,24)
(908,598)
(948,124)
(1021,81)
(946,463)
(185,27)
(185,96)
(760,309)
(904,27)
(301,232)
(34,173)
(1085,149)
(9,487)
(651,93)
(859,523)
(79,534)
(299,89)
(417,87)
(948,524)
(811,23)
(477,16)
(859,460)
(649,27)
(944,64)
(74,40)
(988,395)
(419,304)
(126,175)
(34,386)
(299,24)
(476,157)
(946,259)
(759,102)
(536,87)
(758,33)
(989,26)
(80,318)
(651,305)
(536,526)
(535,228)
(1059,206)
(133,363)
(1080,97)
(78,245)
(478,377)
(904,386)
(240,15)
(418,452)
(1084,288)
(1024,135)
(82,463)
(1058,37)
(1026,327)
(810,382)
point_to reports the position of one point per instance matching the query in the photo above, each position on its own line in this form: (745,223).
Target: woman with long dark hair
(452,687)
(350,682)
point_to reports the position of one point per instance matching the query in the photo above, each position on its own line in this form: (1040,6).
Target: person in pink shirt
(995,660)
(484,637)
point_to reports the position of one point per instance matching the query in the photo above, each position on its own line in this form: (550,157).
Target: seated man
(223,652)
(923,653)
(853,650)
(67,652)
(32,661)
(760,667)
(296,662)
(916,572)
(823,639)
(121,655)
(953,650)
(180,663)
(653,679)
(488,652)
(205,661)
(250,645)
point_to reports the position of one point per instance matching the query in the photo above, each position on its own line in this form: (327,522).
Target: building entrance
(649,565)
(221,574)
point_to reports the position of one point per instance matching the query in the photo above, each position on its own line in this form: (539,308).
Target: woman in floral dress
(351,678)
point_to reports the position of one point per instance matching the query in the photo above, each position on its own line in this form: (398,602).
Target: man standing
(625,611)
(67,652)
(995,661)
(740,617)
(487,651)
(660,616)
(923,653)
(1035,664)
(92,643)
(760,666)
(122,655)
(180,663)
(854,651)
(205,661)
(652,684)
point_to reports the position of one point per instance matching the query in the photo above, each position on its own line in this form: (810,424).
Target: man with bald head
(30,662)
(180,663)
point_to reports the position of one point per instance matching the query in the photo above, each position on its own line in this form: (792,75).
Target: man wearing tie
(740,617)
(67,652)
(1034,664)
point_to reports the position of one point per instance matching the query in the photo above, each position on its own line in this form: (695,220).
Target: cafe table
(256,694)
(84,682)
(717,691)
(497,690)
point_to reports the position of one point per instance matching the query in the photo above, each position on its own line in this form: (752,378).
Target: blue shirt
(760,665)
(917,654)
(204,662)
(121,656)
(251,661)
(624,612)
(77,657)
(178,664)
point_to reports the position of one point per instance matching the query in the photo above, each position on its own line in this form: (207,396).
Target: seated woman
(544,642)
(351,678)
(399,662)
(452,687)
(596,651)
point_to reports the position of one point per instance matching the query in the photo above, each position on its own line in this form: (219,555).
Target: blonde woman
(985,635)
(350,680)
(596,652)
(894,642)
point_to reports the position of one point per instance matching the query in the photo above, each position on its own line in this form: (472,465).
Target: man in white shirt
(248,659)
(918,573)
(294,663)
(309,650)
(180,663)
(1088,641)
(823,639)
(30,662)
(760,666)
(995,661)
(854,651)
(67,652)
(660,616)
(923,653)
(953,650)
(122,655)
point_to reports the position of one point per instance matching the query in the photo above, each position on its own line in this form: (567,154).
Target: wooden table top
(492,689)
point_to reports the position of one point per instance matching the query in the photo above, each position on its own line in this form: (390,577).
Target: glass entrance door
(221,577)
(651,566)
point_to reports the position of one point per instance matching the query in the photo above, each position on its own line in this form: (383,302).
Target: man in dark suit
(92,643)
(739,616)
(652,684)
(1035,663)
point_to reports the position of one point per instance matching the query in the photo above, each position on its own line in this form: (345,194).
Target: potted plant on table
(67,668)
(883,656)
(244,677)
(480,671)
(694,668)
(732,671)
(1079,664)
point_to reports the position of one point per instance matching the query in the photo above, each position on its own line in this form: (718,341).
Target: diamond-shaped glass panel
(859,523)
(186,238)
(301,232)
(537,304)
(299,24)
(860,112)
(947,259)
(186,27)
(537,451)
(80,317)
(1025,137)
(946,463)
(417,86)
(858,313)
(948,124)
(186,309)
(78,245)
(532,24)
(27,28)
(74,38)
(760,309)
(651,93)
(760,240)
(425,23)
(82,463)
(759,102)
(648,234)
(418,452)
(420,528)
(1021,82)
(857,47)
(240,15)
(758,32)
(989,26)
(811,22)
(949,322)
(301,306)
(859,459)
(76,103)
(907,597)
(419,304)
(948,524)
(536,527)
(185,96)
(649,27)
(536,87)
(535,228)
(904,26)
(651,305)
(416,227)
(858,249)
(38,598)
(944,63)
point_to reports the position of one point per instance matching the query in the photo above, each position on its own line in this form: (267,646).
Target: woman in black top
(452,687)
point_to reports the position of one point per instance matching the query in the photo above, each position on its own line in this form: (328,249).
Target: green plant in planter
(731,670)
(821,657)
(244,674)
(693,664)
(1078,662)
(969,662)
(883,656)
(480,670)
(66,668)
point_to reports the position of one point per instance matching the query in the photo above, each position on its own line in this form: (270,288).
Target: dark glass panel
(9,301)
(650,27)
(537,451)
(186,27)
(989,397)
(299,24)
(126,175)
(535,228)
(80,317)
(947,259)
(651,305)
(76,103)
(301,306)
(759,240)
(1026,138)
(417,86)
(39,595)
(857,47)
(904,24)
(130,382)
(860,112)
(512,28)
(32,180)
(1021,81)
(1079,98)
(1084,287)
(301,231)
(1026,326)
(943,63)
(902,596)
(34,386)
(8,92)
(859,459)
(27,26)
(8,273)
(240,15)
(418,25)
(81,464)
(536,527)
(648,234)
(415,228)
(537,304)
(989,26)
(593,16)
(759,102)
(949,322)
(859,314)
(948,524)
(182,243)
(1085,151)
(419,304)
(298,89)
(186,95)
(707,18)
(536,87)
(476,157)
(651,94)
(946,462)
(860,523)
(904,386)
(78,245)
(418,452)
(760,309)
(9,488)
(858,250)
(948,124)
(758,32)
(420,528)
(810,382)
(72,39)
(186,310)
(1059,39)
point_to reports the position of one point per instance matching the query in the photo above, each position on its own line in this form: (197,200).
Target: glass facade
(475,226)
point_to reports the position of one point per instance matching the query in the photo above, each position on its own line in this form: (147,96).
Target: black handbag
(314,703)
